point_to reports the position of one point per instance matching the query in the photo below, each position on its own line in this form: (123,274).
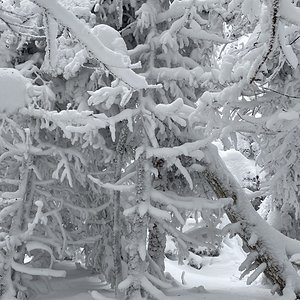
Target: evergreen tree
(97,155)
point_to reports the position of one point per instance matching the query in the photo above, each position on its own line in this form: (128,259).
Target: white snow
(289,11)
(238,164)
(218,279)
(37,271)
(286,48)
(289,115)
(51,29)
(13,87)
(116,62)
(111,38)
(68,19)
(251,8)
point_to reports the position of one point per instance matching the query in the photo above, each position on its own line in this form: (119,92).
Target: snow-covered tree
(254,101)
(106,142)
(43,178)
(157,112)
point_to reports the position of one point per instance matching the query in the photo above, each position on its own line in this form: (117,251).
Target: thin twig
(295,40)
(272,40)
(282,94)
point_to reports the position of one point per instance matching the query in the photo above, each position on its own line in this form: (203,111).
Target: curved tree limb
(272,247)
(272,39)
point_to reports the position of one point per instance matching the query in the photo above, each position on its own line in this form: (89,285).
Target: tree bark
(157,234)
(156,247)
(117,210)
(138,233)
(17,225)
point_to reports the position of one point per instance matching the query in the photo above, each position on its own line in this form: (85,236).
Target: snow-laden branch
(92,211)
(177,9)
(110,95)
(33,245)
(268,49)
(270,249)
(51,30)
(38,216)
(199,34)
(184,239)
(188,149)
(188,202)
(177,111)
(37,271)
(287,49)
(74,122)
(111,186)
(9,210)
(116,62)
(84,34)
(66,171)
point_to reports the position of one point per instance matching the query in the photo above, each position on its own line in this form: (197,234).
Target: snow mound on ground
(13,87)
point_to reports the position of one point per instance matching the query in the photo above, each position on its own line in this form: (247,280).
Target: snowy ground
(219,276)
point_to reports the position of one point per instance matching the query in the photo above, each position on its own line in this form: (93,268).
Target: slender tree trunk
(138,234)
(117,210)
(18,224)
(157,235)
(156,247)
(136,264)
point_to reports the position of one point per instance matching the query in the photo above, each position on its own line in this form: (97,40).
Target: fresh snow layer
(116,62)
(13,87)
(242,167)
(289,11)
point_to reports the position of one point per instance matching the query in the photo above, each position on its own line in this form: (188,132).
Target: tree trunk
(16,252)
(117,209)
(138,234)
(157,234)
(156,248)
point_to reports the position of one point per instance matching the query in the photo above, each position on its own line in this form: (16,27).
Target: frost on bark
(274,20)
(137,232)
(157,234)
(10,280)
(156,247)
(118,164)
